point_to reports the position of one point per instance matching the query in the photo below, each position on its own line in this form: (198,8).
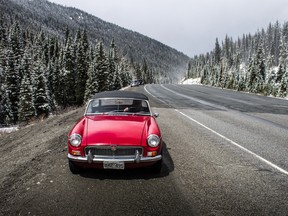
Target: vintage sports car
(117,131)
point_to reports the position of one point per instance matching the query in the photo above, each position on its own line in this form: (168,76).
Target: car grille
(110,151)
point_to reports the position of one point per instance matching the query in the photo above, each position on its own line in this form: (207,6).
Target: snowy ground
(8,129)
(197,82)
(191,81)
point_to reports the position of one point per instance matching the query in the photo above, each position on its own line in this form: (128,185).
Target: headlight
(75,140)
(153,140)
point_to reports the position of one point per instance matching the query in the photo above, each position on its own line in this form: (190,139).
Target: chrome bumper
(136,159)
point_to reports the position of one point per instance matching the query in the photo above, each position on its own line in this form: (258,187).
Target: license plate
(113,165)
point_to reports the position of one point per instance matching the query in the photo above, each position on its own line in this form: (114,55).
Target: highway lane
(233,148)
(204,172)
(257,123)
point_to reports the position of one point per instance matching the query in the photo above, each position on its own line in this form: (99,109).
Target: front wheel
(75,169)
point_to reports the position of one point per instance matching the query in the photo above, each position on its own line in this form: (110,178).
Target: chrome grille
(106,151)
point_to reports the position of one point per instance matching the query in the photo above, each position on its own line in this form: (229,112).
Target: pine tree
(250,63)
(41,102)
(81,66)
(260,69)
(50,77)
(112,65)
(124,73)
(59,84)
(101,67)
(69,74)
(280,73)
(251,75)
(53,71)
(217,52)
(13,74)
(283,88)
(117,80)
(2,78)
(6,107)
(12,80)
(282,60)
(189,69)
(144,71)
(137,71)
(92,85)
(26,104)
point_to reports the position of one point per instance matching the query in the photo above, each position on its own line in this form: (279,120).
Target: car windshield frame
(117,106)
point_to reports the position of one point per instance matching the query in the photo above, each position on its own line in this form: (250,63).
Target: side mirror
(156,115)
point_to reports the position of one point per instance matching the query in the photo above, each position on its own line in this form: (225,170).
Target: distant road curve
(228,100)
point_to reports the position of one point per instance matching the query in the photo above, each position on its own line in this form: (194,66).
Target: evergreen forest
(54,57)
(40,74)
(253,63)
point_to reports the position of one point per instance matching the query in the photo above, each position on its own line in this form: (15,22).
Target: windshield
(117,106)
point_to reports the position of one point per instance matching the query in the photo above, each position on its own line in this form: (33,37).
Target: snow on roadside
(8,129)
(195,81)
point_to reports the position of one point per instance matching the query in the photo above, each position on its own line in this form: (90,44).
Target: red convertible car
(117,131)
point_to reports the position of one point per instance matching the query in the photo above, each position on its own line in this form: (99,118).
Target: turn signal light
(152,154)
(76,153)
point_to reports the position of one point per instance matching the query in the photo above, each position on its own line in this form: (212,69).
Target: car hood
(118,130)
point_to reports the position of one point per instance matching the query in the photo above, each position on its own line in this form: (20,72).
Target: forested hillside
(52,57)
(167,64)
(254,63)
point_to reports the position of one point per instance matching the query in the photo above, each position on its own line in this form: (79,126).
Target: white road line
(195,99)
(236,144)
(149,92)
(229,140)
(154,96)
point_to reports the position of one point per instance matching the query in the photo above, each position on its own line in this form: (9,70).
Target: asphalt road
(225,153)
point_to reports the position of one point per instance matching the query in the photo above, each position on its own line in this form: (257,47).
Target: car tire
(75,169)
(157,167)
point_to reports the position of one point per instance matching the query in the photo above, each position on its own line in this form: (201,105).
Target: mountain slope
(54,19)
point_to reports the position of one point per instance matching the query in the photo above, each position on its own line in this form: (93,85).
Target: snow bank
(8,129)
(191,81)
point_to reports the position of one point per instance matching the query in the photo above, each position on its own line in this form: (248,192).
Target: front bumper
(91,159)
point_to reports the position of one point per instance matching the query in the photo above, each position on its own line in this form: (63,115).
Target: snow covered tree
(12,80)
(41,102)
(101,67)
(283,88)
(124,73)
(81,66)
(280,73)
(92,84)
(260,70)
(112,66)
(117,82)
(53,67)
(217,52)
(144,71)
(41,72)
(282,60)
(50,77)
(13,74)
(59,84)
(5,107)
(137,71)
(26,104)
(69,74)
(249,63)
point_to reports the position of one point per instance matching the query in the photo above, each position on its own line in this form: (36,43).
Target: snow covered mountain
(54,19)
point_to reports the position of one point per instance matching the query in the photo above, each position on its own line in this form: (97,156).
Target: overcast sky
(190,26)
